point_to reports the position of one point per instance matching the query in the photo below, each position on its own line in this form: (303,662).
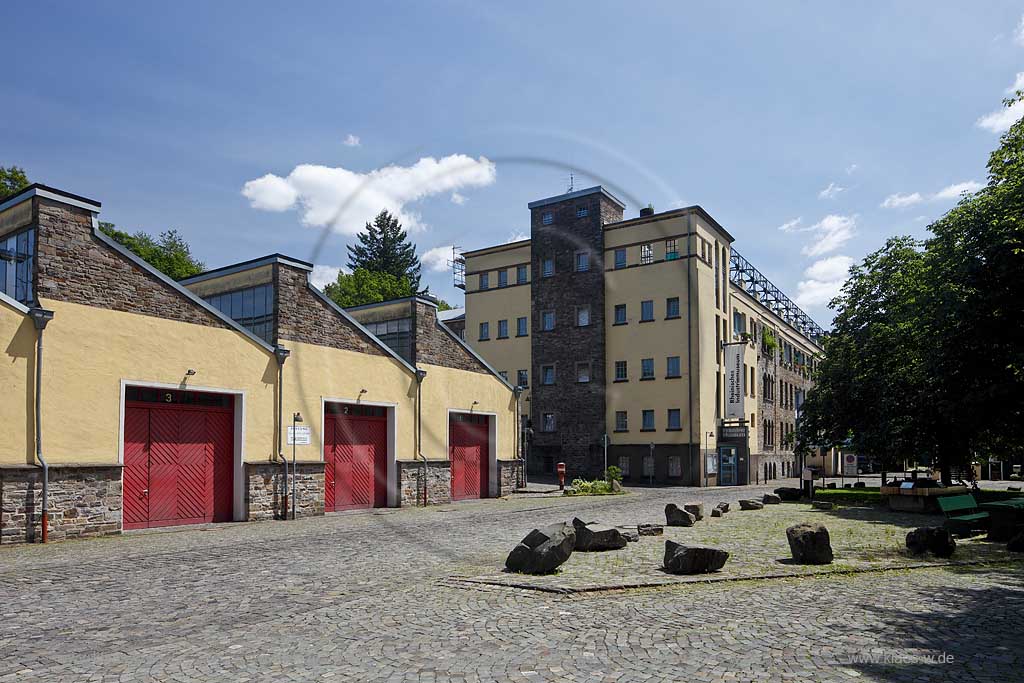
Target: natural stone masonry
(75,266)
(83,501)
(435,346)
(263,495)
(510,474)
(439,482)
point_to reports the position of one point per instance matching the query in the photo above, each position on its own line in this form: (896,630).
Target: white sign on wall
(850,464)
(300,435)
(734,377)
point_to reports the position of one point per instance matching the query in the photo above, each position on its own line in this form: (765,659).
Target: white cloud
(458,199)
(516,236)
(1018,35)
(792,226)
(351,140)
(830,192)
(898,201)
(824,280)
(831,232)
(324,275)
(954,191)
(345,200)
(1000,120)
(436,260)
(850,169)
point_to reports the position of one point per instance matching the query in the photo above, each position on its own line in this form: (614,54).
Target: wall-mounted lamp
(190,372)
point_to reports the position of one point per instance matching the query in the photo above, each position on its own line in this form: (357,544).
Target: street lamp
(707,449)
(296,418)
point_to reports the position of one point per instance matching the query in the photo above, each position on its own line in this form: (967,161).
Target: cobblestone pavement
(370,597)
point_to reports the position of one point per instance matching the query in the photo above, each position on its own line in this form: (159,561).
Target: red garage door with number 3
(468,436)
(178,457)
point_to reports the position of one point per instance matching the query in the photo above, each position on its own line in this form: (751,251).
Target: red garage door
(467,438)
(178,457)
(355,457)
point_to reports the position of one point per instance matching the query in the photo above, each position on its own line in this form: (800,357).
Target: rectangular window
(624,465)
(485,280)
(583,372)
(502,329)
(547,320)
(674,419)
(647,422)
(523,378)
(620,371)
(620,258)
(672,366)
(647,368)
(648,465)
(521,275)
(672,307)
(581,212)
(521,327)
(620,314)
(547,374)
(17,265)
(675,466)
(547,422)
(253,309)
(485,331)
(503,374)
(646,310)
(671,251)
(548,267)
(582,261)
(547,218)
(646,254)
(621,421)
(503,278)
(582,316)
(753,385)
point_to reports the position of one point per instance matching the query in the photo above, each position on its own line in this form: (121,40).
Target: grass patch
(871,495)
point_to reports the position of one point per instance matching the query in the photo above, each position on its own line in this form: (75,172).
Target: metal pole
(294,471)
(606,455)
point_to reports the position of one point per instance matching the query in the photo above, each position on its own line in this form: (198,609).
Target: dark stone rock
(724,507)
(630,535)
(1013,488)
(935,539)
(821,505)
(789,494)
(592,537)
(616,486)
(1016,544)
(650,529)
(809,543)
(830,485)
(674,516)
(542,551)
(695,509)
(717,512)
(748,504)
(681,559)
(771,499)
(859,485)
(847,486)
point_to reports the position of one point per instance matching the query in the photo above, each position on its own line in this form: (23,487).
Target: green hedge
(870,495)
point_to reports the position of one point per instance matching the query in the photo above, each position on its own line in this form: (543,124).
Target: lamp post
(707,449)
(650,479)
(296,418)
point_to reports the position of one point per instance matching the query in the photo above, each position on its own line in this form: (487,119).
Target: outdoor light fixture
(190,372)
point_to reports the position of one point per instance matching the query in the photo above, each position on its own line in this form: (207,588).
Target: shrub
(613,473)
(584,487)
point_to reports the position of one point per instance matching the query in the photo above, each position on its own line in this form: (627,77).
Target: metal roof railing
(748,278)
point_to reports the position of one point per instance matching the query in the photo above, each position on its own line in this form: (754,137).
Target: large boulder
(935,539)
(616,486)
(542,551)
(676,516)
(596,537)
(650,529)
(681,559)
(724,507)
(717,512)
(789,494)
(748,504)
(1016,544)
(631,535)
(821,505)
(771,499)
(809,543)
(695,509)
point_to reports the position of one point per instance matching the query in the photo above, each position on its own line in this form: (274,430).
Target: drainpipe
(420,374)
(518,391)
(689,339)
(281,354)
(41,316)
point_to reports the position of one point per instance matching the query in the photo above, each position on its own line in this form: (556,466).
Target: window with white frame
(548,267)
(674,419)
(503,278)
(485,280)
(582,316)
(672,366)
(485,331)
(547,422)
(521,274)
(547,218)
(647,421)
(547,320)
(646,310)
(523,378)
(547,374)
(620,371)
(582,212)
(583,372)
(620,314)
(502,329)
(620,258)
(621,421)
(521,327)
(646,254)
(647,368)
(582,261)
(624,465)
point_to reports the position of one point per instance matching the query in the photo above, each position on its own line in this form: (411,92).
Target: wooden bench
(962,513)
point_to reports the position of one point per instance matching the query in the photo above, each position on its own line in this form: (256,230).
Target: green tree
(364,286)
(384,247)
(12,179)
(169,253)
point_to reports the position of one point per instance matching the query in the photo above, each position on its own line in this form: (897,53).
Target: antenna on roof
(572,182)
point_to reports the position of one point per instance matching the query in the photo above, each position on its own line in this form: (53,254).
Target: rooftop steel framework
(748,278)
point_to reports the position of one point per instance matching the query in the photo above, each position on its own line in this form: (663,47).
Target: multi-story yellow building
(646,343)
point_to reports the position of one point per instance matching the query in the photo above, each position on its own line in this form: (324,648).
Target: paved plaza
(387,596)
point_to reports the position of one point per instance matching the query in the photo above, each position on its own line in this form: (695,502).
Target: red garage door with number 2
(468,436)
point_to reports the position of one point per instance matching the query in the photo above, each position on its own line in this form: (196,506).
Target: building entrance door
(727,461)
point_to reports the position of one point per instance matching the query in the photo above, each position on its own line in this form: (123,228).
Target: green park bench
(962,513)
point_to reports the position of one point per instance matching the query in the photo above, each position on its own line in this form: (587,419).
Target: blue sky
(260,127)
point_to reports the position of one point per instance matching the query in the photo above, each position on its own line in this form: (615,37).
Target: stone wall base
(83,501)
(265,499)
(510,476)
(410,482)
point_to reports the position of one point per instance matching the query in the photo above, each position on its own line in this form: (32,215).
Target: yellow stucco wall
(17,380)
(88,351)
